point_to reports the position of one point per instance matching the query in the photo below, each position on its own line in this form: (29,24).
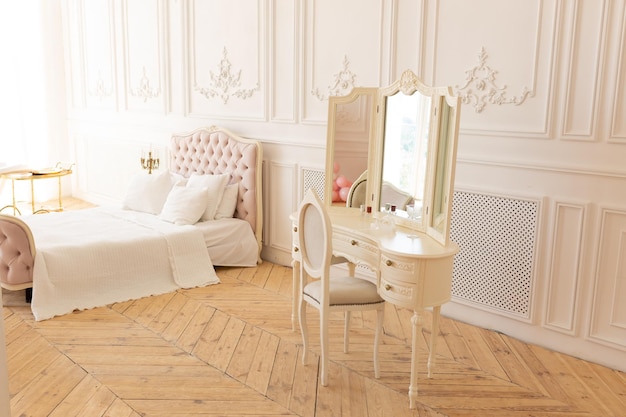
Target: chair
(325,293)
(17,255)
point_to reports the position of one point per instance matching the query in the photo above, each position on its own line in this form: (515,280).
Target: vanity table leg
(433,339)
(416,322)
(295,289)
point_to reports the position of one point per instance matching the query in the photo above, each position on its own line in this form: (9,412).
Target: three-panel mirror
(410,139)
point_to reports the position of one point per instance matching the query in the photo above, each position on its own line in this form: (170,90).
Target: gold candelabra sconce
(150,160)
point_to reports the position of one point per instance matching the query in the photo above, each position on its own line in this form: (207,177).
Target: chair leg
(304,330)
(346,332)
(380,318)
(324,346)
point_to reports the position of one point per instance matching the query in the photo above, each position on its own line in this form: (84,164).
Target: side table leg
(32,195)
(416,322)
(60,193)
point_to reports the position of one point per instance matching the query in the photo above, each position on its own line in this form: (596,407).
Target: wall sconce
(151,161)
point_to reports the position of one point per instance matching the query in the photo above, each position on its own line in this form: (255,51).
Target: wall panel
(226,46)
(144,56)
(565,260)
(97,25)
(608,323)
(337,58)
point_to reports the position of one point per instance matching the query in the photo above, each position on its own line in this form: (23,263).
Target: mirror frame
(444,97)
(333,103)
(436,178)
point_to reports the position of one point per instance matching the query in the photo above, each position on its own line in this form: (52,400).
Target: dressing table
(410,131)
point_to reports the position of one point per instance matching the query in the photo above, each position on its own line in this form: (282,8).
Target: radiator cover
(497,237)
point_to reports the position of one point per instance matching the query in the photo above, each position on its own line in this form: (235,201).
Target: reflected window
(406,142)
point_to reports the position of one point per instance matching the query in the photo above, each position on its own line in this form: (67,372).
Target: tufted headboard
(215,150)
(17,253)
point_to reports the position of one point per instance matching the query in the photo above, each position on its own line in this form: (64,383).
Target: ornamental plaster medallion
(342,84)
(225,84)
(480,87)
(144,90)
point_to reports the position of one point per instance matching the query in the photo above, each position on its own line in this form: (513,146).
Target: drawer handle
(295,249)
(295,228)
(387,287)
(353,242)
(388,262)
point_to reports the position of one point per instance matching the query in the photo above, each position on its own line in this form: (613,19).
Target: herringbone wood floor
(228,350)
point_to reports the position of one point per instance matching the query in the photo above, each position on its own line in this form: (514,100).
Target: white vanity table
(411,132)
(413,271)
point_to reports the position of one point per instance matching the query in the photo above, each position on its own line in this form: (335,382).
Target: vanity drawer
(357,250)
(398,292)
(399,280)
(400,269)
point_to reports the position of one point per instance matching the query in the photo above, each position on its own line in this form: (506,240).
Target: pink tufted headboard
(215,150)
(17,253)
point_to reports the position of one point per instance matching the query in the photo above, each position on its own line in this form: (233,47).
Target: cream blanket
(94,257)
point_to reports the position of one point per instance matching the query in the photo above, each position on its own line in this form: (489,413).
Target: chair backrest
(356,195)
(314,233)
(17,251)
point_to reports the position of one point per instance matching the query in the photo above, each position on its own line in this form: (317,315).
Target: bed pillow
(147,192)
(214,185)
(226,208)
(184,205)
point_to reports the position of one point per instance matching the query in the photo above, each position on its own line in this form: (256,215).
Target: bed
(172,228)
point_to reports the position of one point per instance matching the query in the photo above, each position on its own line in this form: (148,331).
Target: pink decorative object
(336,196)
(343,193)
(336,167)
(343,181)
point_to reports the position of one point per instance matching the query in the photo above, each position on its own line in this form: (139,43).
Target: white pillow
(184,205)
(214,185)
(147,192)
(227,206)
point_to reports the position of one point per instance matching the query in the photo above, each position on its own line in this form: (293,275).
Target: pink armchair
(17,255)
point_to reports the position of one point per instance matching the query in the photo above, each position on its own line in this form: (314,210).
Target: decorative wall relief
(342,84)
(100,90)
(144,90)
(480,87)
(225,84)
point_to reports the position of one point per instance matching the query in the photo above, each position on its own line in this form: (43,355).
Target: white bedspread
(94,257)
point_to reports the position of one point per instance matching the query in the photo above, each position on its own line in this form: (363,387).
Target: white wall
(543,127)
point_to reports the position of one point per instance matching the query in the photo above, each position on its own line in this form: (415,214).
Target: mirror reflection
(405,153)
(351,124)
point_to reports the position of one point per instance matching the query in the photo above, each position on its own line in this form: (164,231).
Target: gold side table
(32,176)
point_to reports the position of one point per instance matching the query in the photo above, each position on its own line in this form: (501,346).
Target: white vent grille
(497,237)
(315,179)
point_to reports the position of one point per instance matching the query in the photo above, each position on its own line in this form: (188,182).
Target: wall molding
(480,87)
(544,168)
(225,83)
